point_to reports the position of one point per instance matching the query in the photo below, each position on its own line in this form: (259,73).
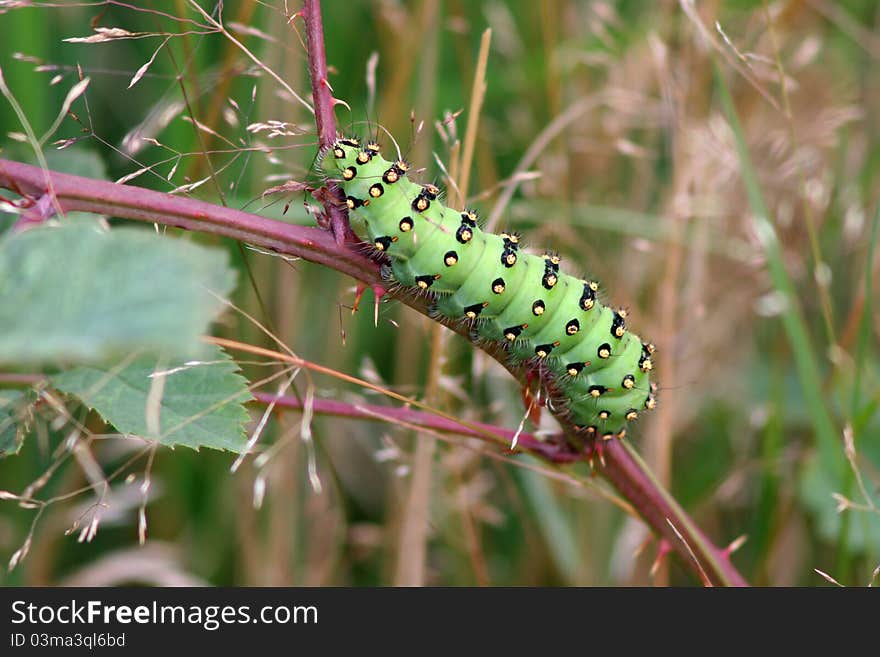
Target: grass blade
(808,370)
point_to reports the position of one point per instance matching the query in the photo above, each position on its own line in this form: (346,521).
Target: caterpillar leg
(533,403)
(378,291)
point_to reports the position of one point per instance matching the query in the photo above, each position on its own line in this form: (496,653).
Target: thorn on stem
(735,545)
(663,548)
(358,293)
(378,293)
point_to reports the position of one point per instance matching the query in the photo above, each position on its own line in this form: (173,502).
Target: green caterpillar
(519,299)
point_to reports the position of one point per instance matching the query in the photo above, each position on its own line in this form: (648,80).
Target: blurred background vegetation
(639,184)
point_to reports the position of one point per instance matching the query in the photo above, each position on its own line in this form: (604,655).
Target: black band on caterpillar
(525,301)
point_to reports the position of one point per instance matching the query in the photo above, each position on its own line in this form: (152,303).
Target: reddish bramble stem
(622,466)
(325,119)
(525,441)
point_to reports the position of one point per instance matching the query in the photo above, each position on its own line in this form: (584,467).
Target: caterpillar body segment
(525,301)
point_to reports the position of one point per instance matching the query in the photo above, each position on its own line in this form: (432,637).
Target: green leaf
(193,403)
(14,414)
(76,292)
(77,161)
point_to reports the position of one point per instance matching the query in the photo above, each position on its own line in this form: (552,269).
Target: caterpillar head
(344,154)
(348,159)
